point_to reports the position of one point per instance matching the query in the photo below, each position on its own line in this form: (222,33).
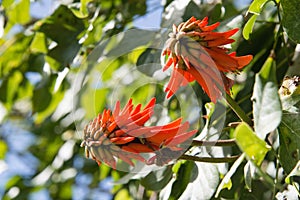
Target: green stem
(219,143)
(209,159)
(238,110)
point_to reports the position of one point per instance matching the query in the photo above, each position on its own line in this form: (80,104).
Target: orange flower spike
(197,53)
(121,134)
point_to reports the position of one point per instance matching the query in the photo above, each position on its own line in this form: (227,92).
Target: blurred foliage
(59,71)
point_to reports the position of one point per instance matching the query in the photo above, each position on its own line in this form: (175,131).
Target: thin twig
(209,159)
(219,143)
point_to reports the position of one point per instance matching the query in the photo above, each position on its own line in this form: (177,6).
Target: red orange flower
(197,53)
(122,134)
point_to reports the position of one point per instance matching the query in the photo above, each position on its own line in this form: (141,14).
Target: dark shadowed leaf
(289,137)
(149,61)
(158,179)
(291,18)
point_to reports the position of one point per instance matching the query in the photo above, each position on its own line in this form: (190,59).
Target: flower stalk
(210,159)
(238,110)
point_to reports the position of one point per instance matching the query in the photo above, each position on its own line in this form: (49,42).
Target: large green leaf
(254,148)
(203,183)
(64,28)
(266,103)
(289,136)
(291,18)
(129,40)
(183,177)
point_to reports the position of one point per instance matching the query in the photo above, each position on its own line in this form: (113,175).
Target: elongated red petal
(179,139)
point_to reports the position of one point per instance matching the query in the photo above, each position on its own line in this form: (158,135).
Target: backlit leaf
(256,6)
(255,148)
(249,27)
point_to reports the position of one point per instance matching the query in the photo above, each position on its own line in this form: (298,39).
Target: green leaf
(290,18)
(249,27)
(45,100)
(19,12)
(227,178)
(41,99)
(254,148)
(266,103)
(130,40)
(294,172)
(93,101)
(203,183)
(38,44)
(158,179)
(256,6)
(183,177)
(3,149)
(149,61)
(192,9)
(289,138)
(64,28)
(83,7)
(9,88)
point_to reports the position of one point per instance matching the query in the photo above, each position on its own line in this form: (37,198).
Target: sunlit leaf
(256,6)
(9,88)
(291,18)
(38,43)
(255,148)
(3,149)
(266,103)
(249,27)
(17,12)
(122,194)
(83,7)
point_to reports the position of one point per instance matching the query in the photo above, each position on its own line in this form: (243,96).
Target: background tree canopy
(63,62)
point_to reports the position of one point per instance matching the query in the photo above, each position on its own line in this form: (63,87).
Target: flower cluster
(122,134)
(197,53)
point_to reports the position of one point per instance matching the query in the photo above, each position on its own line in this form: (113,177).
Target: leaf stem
(209,159)
(238,110)
(219,143)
